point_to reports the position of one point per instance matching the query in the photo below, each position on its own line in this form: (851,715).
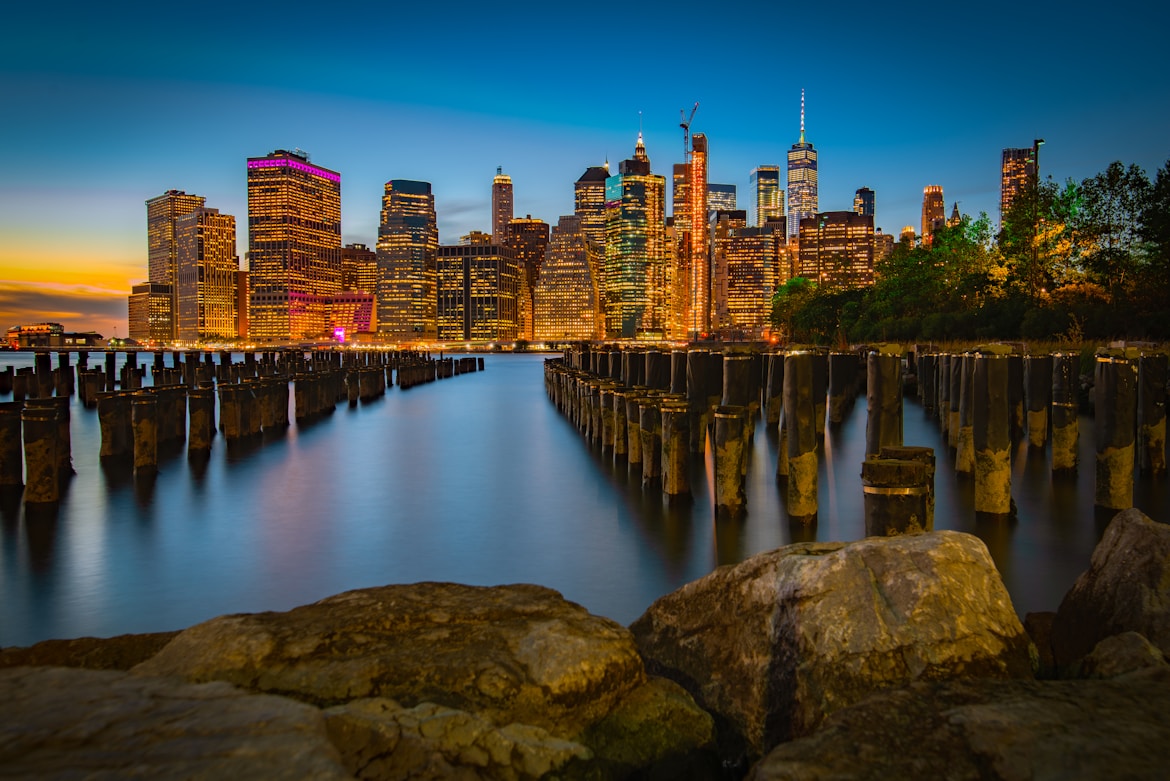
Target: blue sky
(108,105)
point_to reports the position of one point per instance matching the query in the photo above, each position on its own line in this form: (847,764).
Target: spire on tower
(802,115)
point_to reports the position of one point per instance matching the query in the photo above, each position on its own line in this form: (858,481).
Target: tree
(1113,204)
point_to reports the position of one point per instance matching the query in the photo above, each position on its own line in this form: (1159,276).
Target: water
(477,479)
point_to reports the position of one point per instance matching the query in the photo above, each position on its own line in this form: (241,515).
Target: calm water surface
(477,479)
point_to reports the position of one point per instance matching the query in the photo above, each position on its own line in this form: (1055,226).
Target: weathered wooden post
(842,380)
(1116,402)
(144,413)
(924,456)
(773,388)
(896,497)
(992,435)
(634,431)
(739,390)
(965,447)
(201,407)
(883,399)
(605,402)
(11,447)
(799,415)
(1038,397)
(675,448)
(782,448)
(650,428)
(730,456)
(956,382)
(63,449)
(678,371)
(114,417)
(1016,417)
(820,390)
(620,427)
(42,476)
(697,398)
(943,408)
(1065,427)
(928,381)
(1152,413)
(658,370)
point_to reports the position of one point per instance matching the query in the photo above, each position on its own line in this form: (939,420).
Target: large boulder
(1120,655)
(990,729)
(1125,589)
(93,653)
(772,645)
(62,723)
(518,657)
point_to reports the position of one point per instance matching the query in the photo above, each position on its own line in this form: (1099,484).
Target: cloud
(78,308)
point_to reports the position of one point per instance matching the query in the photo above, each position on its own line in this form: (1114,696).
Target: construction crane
(685,124)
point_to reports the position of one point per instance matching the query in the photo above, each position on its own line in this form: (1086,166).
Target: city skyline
(105,113)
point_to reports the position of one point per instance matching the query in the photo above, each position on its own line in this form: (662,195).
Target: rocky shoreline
(895,657)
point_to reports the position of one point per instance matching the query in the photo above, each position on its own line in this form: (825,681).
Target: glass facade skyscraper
(207,266)
(765,183)
(565,297)
(836,249)
(635,279)
(802,180)
(934,210)
(408,240)
(162,214)
(1019,168)
(294,246)
(502,205)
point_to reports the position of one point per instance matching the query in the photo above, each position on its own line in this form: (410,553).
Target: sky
(105,105)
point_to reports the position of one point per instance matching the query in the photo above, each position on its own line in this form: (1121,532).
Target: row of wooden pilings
(655,409)
(1036,397)
(254,397)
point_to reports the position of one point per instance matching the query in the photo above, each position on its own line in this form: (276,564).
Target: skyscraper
(765,183)
(477,286)
(162,213)
(501,204)
(747,268)
(635,255)
(408,240)
(836,249)
(863,202)
(720,197)
(207,264)
(589,202)
(934,211)
(149,313)
(802,180)
(565,298)
(359,268)
(1020,167)
(294,246)
(528,239)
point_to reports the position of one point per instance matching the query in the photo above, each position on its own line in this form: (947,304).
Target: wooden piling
(144,415)
(42,478)
(799,415)
(1152,370)
(992,435)
(11,445)
(1037,397)
(883,399)
(730,455)
(1116,403)
(895,497)
(1065,426)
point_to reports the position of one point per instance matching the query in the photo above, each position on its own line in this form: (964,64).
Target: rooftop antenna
(685,124)
(802,115)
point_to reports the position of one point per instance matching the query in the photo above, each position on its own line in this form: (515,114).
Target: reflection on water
(476,479)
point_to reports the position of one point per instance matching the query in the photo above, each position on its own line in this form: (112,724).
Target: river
(477,479)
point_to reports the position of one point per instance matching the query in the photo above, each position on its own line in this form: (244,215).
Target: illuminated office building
(934,211)
(294,246)
(149,313)
(359,268)
(565,296)
(748,265)
(863,202)
(836,249)
(720,197)
(908,235)
(207,265)
(955,219)
(162,212)
(478,283)
(589,202)
(883,245)
(692,266)
(765,183)
(635,278)
(351,312)
(528,239)
(408,240)
(1019,168)
(243,296)
(802,180)
(501,205)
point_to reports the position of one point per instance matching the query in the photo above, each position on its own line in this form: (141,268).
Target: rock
(1119,655)
(93,653)
(382,741)
(62,723)
(516,657)
(773,644)
(1039,629)
(1125,589)
(989,729)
